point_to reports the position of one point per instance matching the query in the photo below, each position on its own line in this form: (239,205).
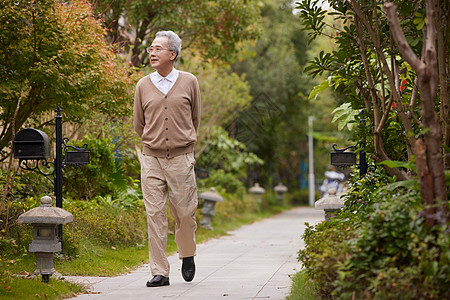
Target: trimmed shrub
(394,255)
(300,196)
(104,225)
(379,246)
(103,176)
(227,183)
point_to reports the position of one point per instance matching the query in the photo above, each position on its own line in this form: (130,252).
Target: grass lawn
(26,288)
(302,289)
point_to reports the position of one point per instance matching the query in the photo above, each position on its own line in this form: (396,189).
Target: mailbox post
(58,163)
(343,158)
(32,148)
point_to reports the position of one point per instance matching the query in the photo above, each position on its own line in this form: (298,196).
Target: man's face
(161,57)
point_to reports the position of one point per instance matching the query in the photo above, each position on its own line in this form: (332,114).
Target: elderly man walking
(166,117)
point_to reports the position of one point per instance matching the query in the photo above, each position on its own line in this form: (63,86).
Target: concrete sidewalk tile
(254,262)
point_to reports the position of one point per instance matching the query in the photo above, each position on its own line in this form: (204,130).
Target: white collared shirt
(164,84)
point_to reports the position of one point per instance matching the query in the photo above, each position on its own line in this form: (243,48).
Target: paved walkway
(253,262)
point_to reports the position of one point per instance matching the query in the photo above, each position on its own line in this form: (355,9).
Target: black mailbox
(78,158)
(201,173)
(31,143)
(343,159)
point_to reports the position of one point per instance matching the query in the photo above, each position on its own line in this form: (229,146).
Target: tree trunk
(431,171)
(136,60)
(379,116)
(443,22)
(425,181)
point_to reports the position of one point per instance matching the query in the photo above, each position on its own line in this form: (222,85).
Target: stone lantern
(280,189)
(208,210)
(257,190)
(45,220)
(330,203)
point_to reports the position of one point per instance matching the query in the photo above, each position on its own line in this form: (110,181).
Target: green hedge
(103,224)
(379,247)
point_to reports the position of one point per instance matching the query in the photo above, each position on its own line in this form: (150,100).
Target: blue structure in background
(302,181)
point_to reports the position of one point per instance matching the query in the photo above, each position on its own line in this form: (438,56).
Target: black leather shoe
(158,280)
(188,268)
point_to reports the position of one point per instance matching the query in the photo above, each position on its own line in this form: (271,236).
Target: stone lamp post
(330,203)
(257,190)
(280,189)
(208,210)
(45,220)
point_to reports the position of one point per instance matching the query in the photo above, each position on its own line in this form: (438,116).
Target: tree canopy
(216,29)
(274,126)
(392,63)
(54,54)
(66,54)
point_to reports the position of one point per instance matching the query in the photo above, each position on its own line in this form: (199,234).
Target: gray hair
(174,43)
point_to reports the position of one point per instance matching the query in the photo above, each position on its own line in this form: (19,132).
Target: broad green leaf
(319,88)
(399,164)
(346,116)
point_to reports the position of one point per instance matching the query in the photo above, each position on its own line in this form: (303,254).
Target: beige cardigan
(167,124)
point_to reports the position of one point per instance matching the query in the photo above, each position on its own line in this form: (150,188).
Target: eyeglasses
(157,49)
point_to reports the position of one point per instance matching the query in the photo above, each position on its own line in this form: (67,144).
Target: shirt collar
(171,77)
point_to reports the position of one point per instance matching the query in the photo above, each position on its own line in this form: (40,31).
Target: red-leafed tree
(54,53)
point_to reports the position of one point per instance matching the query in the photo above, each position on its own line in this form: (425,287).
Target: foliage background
(86,57)
(379,246)
(391,239)
(54,55)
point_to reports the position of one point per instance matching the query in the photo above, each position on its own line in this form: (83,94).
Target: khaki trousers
(174,177)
